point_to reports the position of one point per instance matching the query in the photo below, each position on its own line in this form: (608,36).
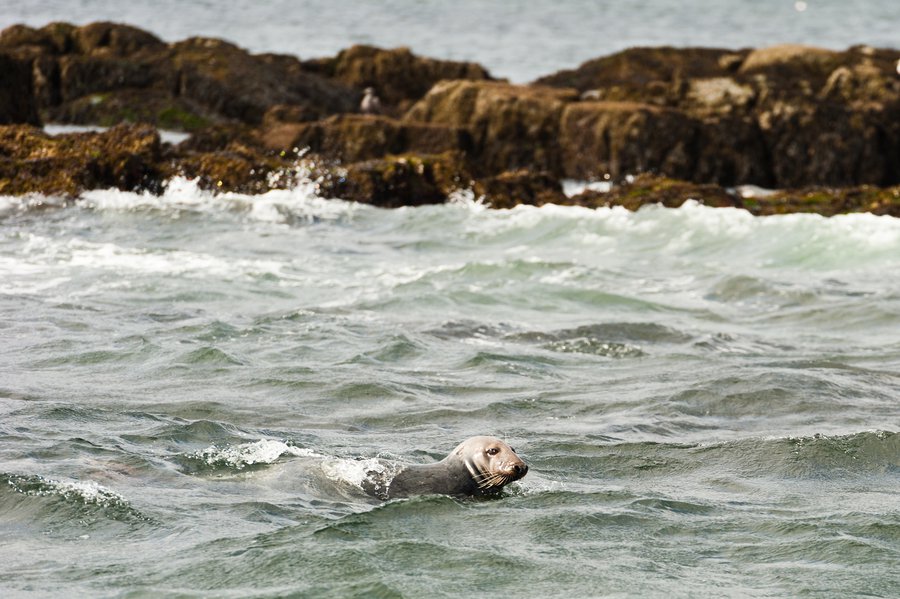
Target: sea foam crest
(359,472)
(53,261)
(264,451)
(82,491)
(300,201)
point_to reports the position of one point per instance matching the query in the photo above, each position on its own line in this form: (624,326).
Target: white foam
(85,491)
(356,472)
(572,187)
(299,202)
(166,136)
(49,262)
(264,451)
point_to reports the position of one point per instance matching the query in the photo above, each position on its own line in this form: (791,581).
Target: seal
(477,466)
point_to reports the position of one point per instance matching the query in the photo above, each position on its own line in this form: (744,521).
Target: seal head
(477,466)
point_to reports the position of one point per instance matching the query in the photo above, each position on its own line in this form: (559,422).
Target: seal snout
(518,469)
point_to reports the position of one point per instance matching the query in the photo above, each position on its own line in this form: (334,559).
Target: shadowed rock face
(698,119)
(17,101)
(398,77)
(104,73)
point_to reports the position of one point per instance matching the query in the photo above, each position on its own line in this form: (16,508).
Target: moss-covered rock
(126,157)
(613,139)
(652,189)
(398,76)
(646,75)
(512,126)
(352,138)
(105,72)
(782,116)
(510,189)
(411,180)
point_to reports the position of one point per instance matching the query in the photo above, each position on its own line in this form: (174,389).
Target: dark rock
(215,138)
(236,169)
(512,126)
(614,139)
(113,39)
(647,75)
(132,105)
(651,189)
(828,201)
(27,42)
(352,138)
(228,81)
(17,101)
(396,180)
(105,73)
(510,189)
(127,157)
(398,76)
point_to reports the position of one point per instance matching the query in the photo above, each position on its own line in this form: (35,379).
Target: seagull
(370,103)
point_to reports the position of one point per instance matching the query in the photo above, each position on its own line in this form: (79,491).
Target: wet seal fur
(477,466)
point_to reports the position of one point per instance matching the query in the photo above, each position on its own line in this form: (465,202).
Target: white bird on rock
(370,103)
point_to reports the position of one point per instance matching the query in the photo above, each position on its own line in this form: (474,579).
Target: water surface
(190,387)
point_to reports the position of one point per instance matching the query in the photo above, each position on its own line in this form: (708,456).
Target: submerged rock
(652,190)
(510,189)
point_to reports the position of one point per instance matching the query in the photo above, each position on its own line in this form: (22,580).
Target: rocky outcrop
(395,181)
(512,126)
(352,137)
(690,122)
(398,76)
(652,189)
(131,157)
(648,75)
(780,117)
(105,73)
(510,189)
(127,157)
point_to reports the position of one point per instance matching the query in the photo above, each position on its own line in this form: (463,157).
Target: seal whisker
(496,479)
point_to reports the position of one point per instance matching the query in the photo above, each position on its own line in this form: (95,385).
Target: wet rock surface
(665,125)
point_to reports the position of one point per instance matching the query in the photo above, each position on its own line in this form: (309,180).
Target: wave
(59,500)
(238,457)
(605,238)
(183,197)
(814,457)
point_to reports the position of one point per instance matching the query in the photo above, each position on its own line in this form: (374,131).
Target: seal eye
(493,451)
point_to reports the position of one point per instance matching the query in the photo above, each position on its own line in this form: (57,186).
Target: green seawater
(191,388)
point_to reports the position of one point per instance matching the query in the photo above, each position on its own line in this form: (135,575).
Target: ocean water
(192,388)
(516,39)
